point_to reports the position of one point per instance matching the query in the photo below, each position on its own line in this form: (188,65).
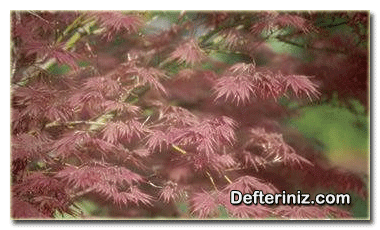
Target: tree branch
(306,46)
(56,123)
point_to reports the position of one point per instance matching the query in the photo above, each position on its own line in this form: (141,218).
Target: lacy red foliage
(114,132)
(152,116)
(204,204)
(242,82)
(310,213)
(117,22)
(270,21)
(170,192)
(273,148)
(189,52)
(43,193)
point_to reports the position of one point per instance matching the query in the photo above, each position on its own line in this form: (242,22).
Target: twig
(234,169)
(38,16)
(333,25)
(55,123)
(305,46)
(156,186)
(212,180)
(179,149)
(228,179)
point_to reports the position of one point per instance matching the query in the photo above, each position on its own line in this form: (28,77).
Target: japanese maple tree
(113,107)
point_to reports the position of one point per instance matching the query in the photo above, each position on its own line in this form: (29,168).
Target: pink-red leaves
(237,89)
(86,99)
(234,38)
(300,212)
(311,212)
(70,144)
(201,141)
(301,84)
(27,146)
(249,211)
(237,84)
(117,22)
(188,52)
(294,21)
(105,85)
(120,107)
(114,132)
(57,51)
(273,20)
(274,148)
(40,101)
(182,128)
(241,83)
(248,184)
(212,162)
(170,192)
(204,204)
(149,76)
(90,176)
(157,139)
(207,205)
(107,181)
(248,159)
(46,194)
(25,210)
(177,116)
(208,135)
(63,56)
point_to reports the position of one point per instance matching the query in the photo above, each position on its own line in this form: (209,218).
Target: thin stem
(333,25)
(156,186)
(55,123)
(228,179)
(177,148)
(305,46)
(212,180)
(234,169)
(38,16)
